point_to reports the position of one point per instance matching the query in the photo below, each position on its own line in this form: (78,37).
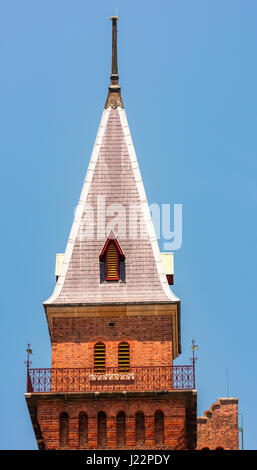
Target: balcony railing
(111,379)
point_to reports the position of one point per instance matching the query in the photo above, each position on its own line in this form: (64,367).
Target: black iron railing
(111,379)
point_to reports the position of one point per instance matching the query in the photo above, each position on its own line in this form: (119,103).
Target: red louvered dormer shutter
(112,262)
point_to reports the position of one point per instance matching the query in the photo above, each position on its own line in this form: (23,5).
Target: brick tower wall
(150,434)
(149,337)
(219,426)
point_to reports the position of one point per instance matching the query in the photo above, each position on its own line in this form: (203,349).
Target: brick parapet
(219,426)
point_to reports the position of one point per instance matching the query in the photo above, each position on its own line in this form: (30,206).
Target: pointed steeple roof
(112,184)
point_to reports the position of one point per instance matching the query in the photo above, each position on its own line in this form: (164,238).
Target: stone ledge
(113,394)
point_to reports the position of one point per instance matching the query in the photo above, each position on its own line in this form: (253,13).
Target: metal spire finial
(114,74)
(114,95)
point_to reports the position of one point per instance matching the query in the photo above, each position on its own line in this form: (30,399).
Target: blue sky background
(188,74)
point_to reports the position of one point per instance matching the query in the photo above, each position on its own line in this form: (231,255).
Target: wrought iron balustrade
(111,379)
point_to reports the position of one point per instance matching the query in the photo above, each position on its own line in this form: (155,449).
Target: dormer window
(112,261)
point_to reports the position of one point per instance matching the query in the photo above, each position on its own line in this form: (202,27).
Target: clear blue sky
(188,74)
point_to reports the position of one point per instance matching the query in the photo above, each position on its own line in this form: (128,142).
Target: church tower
(113,320)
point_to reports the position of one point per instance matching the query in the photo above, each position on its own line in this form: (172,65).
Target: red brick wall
(49,410)
(121,429)
(101,430)
(82,430)
(219,426)
(159,427)
(149,337)
(140,429)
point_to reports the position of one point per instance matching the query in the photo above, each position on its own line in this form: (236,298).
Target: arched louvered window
(121,429)
(112,262)
(101,429)
(83,430)
(64,430)
(140,428)
(99,357)
(123,357)
(159,427)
